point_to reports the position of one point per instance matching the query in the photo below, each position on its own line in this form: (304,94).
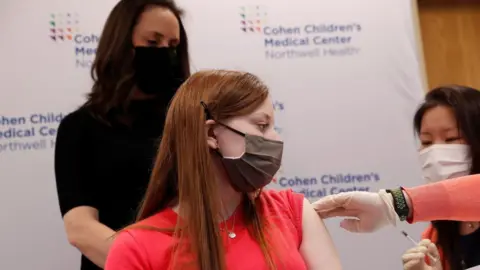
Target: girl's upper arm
(317,247)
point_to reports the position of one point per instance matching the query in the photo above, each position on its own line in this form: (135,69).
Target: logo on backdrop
(252,18)
(326,184)
(305,40)
(33,132)
(63,26)
(65,30)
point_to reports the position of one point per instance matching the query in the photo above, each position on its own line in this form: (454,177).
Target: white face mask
(445,161)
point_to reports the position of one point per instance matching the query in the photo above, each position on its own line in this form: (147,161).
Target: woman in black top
(105,149)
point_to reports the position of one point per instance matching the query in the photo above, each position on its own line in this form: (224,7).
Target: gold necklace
(231,233)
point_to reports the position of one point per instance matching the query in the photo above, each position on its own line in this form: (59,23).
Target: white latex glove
(414,258)
(367,211)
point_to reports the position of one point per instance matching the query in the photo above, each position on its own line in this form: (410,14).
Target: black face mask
(258,164)
(157,71)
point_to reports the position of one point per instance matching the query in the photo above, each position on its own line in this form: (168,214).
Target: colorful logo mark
(63,26)
(252,18)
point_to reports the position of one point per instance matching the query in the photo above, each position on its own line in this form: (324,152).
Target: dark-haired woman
(448,125)
(105,149)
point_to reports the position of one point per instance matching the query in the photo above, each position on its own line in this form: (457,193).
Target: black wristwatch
(399,203)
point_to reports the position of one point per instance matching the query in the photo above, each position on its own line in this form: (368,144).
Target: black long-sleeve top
(106,166)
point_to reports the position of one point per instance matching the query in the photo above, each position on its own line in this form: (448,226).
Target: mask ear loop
(209,117)
(206,111)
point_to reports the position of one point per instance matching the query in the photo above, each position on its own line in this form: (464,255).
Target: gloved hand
(371,211)
(414,258)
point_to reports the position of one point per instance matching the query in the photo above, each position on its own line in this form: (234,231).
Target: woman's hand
(414,258)
(367,211)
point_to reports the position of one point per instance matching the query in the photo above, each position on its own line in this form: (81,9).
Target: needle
(415,243)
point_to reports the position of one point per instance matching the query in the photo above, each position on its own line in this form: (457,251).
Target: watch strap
(399,203)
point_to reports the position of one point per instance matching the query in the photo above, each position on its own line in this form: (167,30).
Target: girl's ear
(210,134)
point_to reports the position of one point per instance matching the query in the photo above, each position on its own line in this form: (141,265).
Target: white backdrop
(345,75)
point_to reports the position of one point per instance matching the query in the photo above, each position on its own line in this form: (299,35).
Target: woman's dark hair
(112,69)
(465,105)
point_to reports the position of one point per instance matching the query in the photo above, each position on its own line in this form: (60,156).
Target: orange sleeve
(453,199)
(126,254)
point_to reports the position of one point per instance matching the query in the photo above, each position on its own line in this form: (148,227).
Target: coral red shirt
(455,199)
(140,249)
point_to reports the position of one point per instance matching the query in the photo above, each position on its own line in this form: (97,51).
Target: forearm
(454,199)
(93,240)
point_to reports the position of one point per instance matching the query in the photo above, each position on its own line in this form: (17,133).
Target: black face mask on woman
(157,71)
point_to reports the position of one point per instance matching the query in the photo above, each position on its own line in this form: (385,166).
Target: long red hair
(183,171)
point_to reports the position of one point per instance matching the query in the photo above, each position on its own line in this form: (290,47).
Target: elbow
(74,237)
(78,226)
(76,234)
